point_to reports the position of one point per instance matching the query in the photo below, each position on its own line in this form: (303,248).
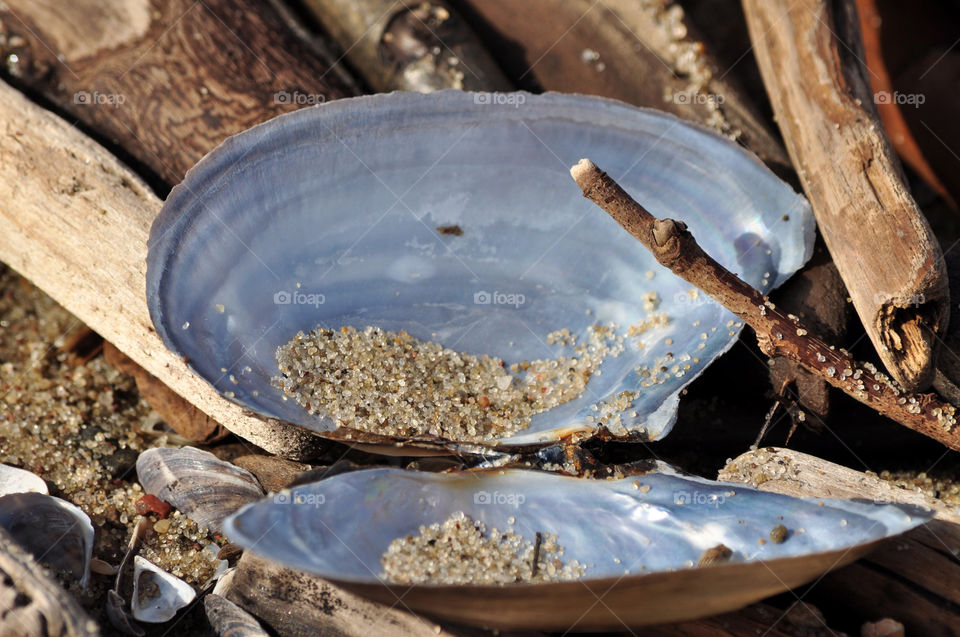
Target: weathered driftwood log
(914,579)
(183,417)
(294,604)
(409,45)
(75,221)
(778,334)
(31,603)
(164,80)
(642,52)
(809,53)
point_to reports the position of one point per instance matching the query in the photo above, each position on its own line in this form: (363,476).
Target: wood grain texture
(634,51)
(409,45)
(914,578)
(269,592)
(809,54)
(167,80)
(178,413)
(75,222)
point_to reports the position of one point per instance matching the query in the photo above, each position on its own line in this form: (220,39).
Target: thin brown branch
(778,334)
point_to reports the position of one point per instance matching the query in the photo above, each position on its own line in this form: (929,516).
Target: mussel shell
(329,215)
(15,480)
(339,529)
(53,530)
(229,620)
(196,482)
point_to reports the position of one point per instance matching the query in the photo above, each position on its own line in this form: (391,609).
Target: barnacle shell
(329,215)
(641,538)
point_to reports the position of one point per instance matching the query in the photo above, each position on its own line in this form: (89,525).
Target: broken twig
(778,334)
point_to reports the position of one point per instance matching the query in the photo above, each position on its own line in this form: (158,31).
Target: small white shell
(157,595)
(14,480)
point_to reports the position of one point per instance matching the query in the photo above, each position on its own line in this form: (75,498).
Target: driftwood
(164,80)
(914,579)
(778,334)
(643,53)
(409,45)
(184,418)
(62,199)
(31,603)
(809,54)
(269,592)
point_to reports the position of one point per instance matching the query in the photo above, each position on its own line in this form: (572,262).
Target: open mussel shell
(331,216)
(54,531)
(643,540)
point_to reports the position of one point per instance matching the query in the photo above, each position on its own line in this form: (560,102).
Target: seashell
(196,482)
(14,480)
(53,530)
(32,604)
(640,538)
(455,220)
(229,620)
(157,595)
